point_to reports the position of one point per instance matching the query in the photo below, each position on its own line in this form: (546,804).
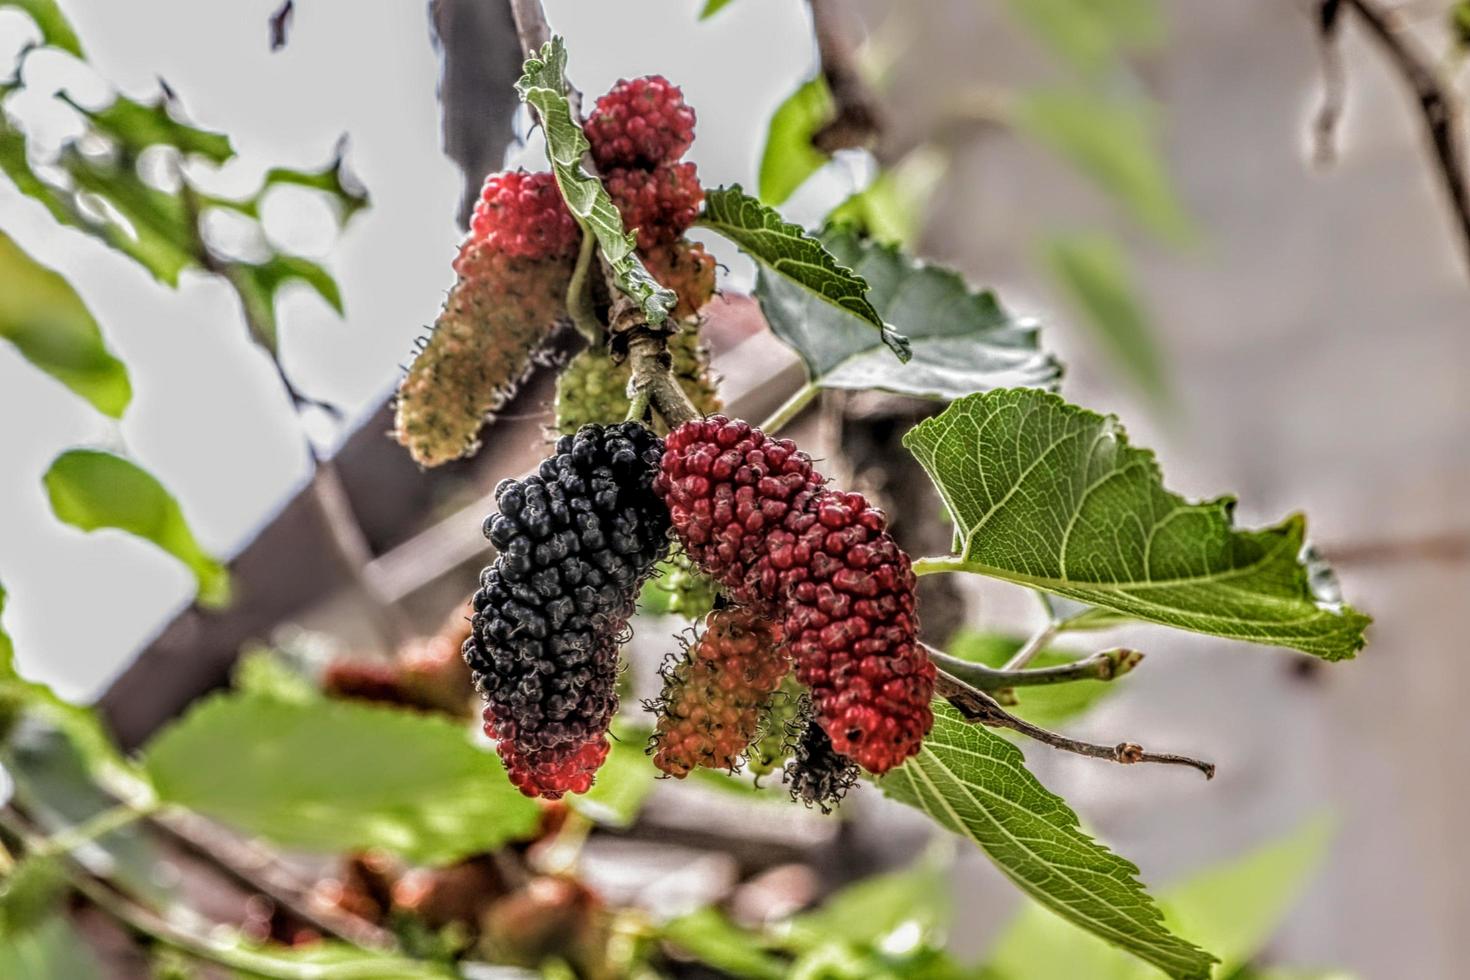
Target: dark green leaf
(52,328)
(975,783)
(1093,272)
(789,252)
(715,940)
(789,157)
(137,125)
(960,340)
(1116,144)
(1049,706)
(93,490)
(543,85)
(712,7)
(339,775)
(51,951)
(56,30)
(1091,33)
(1052,496)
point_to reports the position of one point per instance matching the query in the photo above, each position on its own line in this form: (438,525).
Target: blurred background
(1287,327)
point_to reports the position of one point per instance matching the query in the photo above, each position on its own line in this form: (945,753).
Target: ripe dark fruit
(523,216)
(710,709)
(575,541)
(660,203)
(641,122)
(817,774)
(752,513)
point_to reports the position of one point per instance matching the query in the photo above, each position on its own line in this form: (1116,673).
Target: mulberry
(641,122)
(594,388)
(523,216)
(497,319)
(752,513)
(687,269)
(712,698)
(661,203)
(817,774)
(575,541)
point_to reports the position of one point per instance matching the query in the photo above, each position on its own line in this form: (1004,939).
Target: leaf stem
(579,292)
(1034,645)
(1105,665)
(980,708)
(98,825)
(790,408)
(939,563)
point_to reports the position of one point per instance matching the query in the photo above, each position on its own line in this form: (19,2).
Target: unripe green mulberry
(594,388)
(679,589)
(781,726)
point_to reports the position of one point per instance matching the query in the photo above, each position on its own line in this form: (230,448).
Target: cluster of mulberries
(713,696)
(751,512)
(523,215)
(575,541)
(593,387)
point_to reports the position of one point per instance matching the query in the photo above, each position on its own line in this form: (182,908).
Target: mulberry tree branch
(858,124)
(1105,665)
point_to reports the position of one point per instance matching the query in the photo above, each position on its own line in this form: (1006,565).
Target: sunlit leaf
(716,941)
(712,7)
(789,157)
(53,950)
(95,490)
(892,208)
(52,328)
(1053,497)
(870,910)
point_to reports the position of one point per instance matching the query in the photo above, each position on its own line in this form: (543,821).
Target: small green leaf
(543,85)
(93,490)
(712,7)
(53,950)
(789,157)
(338,775)
(892,208)
(975,783)
(334,180)
(1115,143)
(1093,272)
(1091,33)
(52,328)
(1051,496)
(1049,706)
(716,941)
(1232,908)
(257,283)
(960,340)
(55,29)
(788,251)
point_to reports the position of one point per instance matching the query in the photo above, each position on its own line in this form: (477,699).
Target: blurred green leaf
(138,125)
(892,208)
(1093,273)
(1091,33)
(56,30)
(623,782)
(872,909)
(263,672)
(1115,142)
(712,7)
(543,85)
(30,893)
(340,775)
(714,940)
(257,284)
(95,490)
(334,180)
(54,950)
(960,340)
(1052,496)
(52,328)
(1232,908)
(975,783)
(789,157)
(784,250)
(337,961)
(1050,706)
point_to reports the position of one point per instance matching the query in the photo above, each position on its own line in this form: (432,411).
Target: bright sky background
(208,417)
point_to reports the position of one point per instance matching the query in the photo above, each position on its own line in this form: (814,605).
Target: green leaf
(1232,908)
(1051,496)
(789,157)
(623,782)
(712,7)
(1049,706)
(544,85)
(55,29)
(334,180)
(1093,273)
(715,940)
(52,328)
(256,283)
(339,775)
(872,909)
(892,208)
(30,893)
(137,125)
(1114,142)
(975,783)
(54,950)
(798,258)
(1091,33)
(264,673)
(960,340)
(336,961)
(91,490)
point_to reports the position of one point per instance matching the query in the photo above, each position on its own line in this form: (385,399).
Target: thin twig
(980,708)
(1441,122)
(531,26)
(1034,645)
(1105,665)
(1329,111)
(857,123)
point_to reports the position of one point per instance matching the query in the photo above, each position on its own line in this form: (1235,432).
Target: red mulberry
(641,122)
(752,513)
(575,542)
(710,709)
(661,203)
(523,215)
